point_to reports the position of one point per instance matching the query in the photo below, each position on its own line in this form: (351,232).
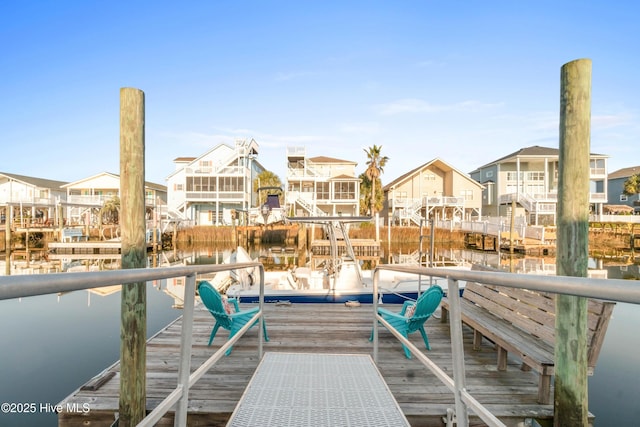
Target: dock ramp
(303,389)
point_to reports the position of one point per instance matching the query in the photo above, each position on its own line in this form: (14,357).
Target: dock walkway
(318,328)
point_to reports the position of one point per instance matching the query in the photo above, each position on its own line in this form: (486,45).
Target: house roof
(325,159)
(38,182)
(624,172)
(436,162)
(344,176)
(116,176)
(533,151)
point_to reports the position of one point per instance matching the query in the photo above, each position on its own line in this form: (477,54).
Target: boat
(270,212)
(338,279)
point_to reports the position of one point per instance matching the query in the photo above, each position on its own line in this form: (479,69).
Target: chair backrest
(426,304)
(213,301)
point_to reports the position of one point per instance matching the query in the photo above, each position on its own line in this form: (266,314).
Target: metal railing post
(457,351)
(184,367)
(261,304)
(375,314)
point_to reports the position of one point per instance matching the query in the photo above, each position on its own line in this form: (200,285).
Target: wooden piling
(7,240)
(133,326)
(571,397)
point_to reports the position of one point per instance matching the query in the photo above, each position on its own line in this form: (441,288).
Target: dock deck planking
(327,328)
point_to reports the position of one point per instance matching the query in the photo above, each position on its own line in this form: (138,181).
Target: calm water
(53,344)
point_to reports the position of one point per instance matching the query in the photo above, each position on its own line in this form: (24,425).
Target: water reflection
(63,340)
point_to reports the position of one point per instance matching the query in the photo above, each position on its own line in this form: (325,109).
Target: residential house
(25,197)
(317,186)
(529,177)
(87,196)
(435,190)
(208,189)
(615,188)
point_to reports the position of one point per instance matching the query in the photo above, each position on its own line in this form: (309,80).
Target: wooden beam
(133,325)
(571,397)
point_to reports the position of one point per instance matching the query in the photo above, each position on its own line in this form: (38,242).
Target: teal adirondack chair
(232,322)
(423,308)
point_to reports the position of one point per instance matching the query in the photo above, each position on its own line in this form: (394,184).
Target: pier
(315,328)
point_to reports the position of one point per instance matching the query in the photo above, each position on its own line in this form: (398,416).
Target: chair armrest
(390,314)
(250,311)
(234,301)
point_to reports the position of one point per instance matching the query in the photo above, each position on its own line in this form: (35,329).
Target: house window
(429,177)
(513,176)
(344,190)
(488,174)
(623,198)
(232,183)
(178,187)
(467,194)
(322,191)
(535,176)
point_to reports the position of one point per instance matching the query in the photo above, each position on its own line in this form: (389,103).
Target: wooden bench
(522,322)
(73,234)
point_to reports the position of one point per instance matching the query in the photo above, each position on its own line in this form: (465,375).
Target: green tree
(267,179)
(110,211)
(375,167)
(365,194)
(632,185)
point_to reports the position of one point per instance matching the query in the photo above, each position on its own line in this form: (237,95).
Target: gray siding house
(529,177)
(615,188)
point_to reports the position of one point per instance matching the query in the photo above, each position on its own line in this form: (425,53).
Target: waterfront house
(435,190)
(87,196)
(28,198)
(615,188)
(317,186)
(206,190)
(529,177)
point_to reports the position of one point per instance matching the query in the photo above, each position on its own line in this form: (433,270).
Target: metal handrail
(606,289)
(42,284)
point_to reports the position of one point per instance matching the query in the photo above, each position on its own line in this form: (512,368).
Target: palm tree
(109,213)
(267,179)
(375,167)
(632,185)
(365,194)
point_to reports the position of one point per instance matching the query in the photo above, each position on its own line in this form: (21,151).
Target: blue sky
(466,82)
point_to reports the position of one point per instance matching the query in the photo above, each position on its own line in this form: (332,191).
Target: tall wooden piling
(571,397)
(133,325)
(7,240)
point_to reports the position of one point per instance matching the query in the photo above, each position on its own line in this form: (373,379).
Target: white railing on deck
(12,287)
(606,289)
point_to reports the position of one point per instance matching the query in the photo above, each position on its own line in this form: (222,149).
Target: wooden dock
(318,328)
(363,248)
(90,247)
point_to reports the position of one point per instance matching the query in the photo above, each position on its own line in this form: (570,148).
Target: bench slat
(522,322)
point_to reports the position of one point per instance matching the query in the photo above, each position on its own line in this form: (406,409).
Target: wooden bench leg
(544,389)
(444,315)
(477,340)
(502,359)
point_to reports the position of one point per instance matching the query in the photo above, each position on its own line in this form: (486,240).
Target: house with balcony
(529,177)
(317,186)
(209,189)
(85,197)
(615,189)
(435,190)
(26,197)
